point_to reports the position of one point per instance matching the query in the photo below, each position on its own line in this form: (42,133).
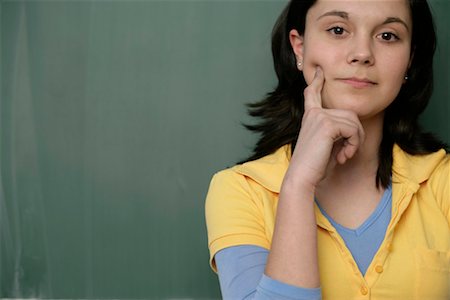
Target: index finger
(312,93)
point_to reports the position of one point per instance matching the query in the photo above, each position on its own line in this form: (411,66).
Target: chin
(353,105)
(359,107)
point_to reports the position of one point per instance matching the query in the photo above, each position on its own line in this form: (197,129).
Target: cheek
(317,59)
(316,53)
(394,71)
(395,66)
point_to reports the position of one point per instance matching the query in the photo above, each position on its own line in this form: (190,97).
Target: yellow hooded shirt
(413,262)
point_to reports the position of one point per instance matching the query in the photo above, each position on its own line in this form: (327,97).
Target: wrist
(297,185)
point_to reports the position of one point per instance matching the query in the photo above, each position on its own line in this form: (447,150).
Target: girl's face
(363,48)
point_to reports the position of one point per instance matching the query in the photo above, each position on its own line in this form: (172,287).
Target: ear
(296,41)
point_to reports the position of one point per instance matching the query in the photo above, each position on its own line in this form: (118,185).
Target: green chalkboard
(113,117)
(436,118)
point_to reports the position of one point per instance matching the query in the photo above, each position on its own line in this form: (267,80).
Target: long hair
(281,112)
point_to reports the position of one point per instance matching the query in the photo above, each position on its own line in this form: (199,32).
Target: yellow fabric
(413,261)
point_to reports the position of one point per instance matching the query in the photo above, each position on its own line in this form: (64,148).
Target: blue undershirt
(364,241)
(241,268)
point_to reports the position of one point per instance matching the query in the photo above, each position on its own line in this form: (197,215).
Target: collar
(414,169)
(269,170)
(408,172)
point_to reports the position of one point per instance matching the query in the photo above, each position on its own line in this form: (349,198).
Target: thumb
(312,93)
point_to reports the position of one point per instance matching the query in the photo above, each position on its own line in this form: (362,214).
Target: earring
(299,64)
(406,77)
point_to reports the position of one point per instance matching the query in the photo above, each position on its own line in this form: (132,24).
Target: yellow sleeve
(233,214)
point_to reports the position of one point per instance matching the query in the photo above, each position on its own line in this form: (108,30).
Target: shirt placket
(402,199)
(364,291)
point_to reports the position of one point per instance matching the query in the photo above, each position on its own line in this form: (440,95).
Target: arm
(327,137)
(240,270)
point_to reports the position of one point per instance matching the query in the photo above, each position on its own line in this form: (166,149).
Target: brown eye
(388,36)
(336,30)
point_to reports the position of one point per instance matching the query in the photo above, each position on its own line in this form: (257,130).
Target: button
(364,290)
(389,247)
(379,269)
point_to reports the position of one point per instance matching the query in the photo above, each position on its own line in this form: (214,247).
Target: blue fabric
(364,241)
(274,289)
(241,276)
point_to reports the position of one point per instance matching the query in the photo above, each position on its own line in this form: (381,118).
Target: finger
(346,136)
(350,145)
(330,118)
(349,117)
(345,153)
(312,93)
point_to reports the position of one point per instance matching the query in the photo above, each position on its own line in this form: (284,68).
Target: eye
(336,30)
(388,37)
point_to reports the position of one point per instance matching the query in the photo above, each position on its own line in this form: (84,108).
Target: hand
(327,137)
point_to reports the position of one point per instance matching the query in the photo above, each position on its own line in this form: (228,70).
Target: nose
(361,51)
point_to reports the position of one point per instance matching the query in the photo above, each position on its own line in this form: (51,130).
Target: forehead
(363,10)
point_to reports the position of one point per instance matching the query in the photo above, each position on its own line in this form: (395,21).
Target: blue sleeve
(241,276)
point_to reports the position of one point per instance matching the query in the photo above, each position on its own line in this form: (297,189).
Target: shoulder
(240,204)
(244,189)
(228,179)
(419,168)
(440,182)
(264,173)
(430,172)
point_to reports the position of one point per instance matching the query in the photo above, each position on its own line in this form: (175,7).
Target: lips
(358,82)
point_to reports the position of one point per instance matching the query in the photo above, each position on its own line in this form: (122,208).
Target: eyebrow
(396,20)
(336,13)
(344,15)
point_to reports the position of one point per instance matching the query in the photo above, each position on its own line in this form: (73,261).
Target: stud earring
(406,77)
(299,64)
